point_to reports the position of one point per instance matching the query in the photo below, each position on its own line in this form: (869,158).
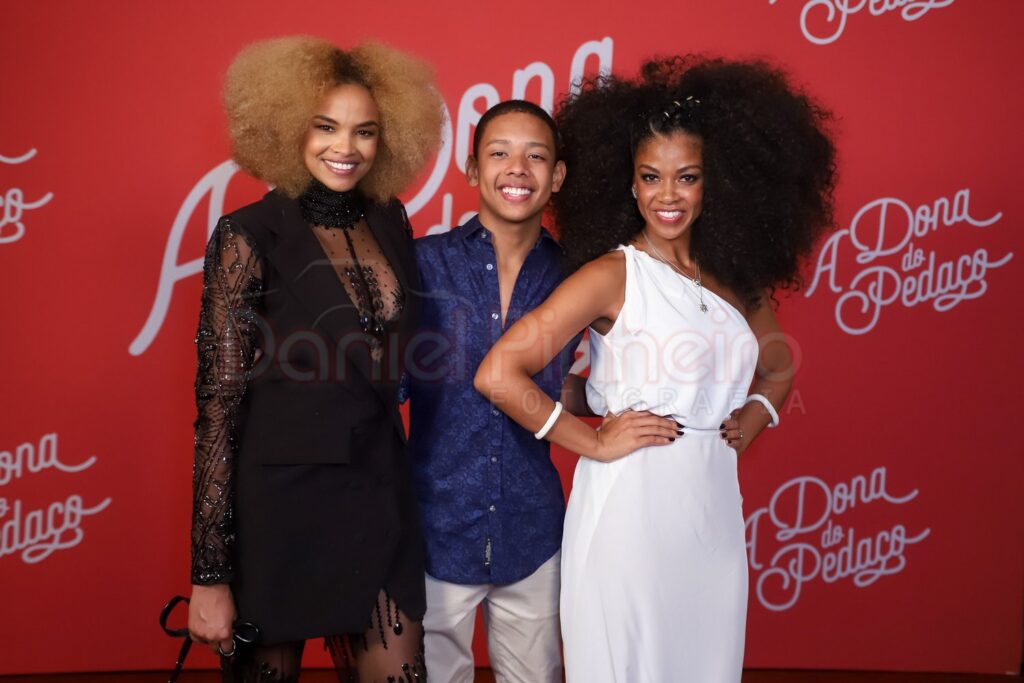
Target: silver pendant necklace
(661,257)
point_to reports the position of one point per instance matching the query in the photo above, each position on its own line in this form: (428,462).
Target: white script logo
(832,15)
(456,144)
(13,204)
(803,513)
(897,270)
(38,533)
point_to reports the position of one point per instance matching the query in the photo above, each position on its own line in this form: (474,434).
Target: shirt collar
(473,229)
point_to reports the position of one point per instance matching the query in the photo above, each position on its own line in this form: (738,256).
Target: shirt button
(495,412)
(490,266)
(494,316)
(494,458)
(492,508)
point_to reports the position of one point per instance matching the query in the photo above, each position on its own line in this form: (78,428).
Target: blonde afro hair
(272,91)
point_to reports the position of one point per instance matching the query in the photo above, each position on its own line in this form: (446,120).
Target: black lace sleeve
(226,346)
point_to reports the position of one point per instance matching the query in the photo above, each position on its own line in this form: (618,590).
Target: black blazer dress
(302,495)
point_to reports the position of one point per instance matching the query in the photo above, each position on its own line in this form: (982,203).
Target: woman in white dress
(692,193)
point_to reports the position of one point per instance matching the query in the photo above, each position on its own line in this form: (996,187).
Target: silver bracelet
(555,412)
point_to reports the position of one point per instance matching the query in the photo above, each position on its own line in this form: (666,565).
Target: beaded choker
(323,206)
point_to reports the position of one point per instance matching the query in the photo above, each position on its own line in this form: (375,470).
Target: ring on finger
(221,652)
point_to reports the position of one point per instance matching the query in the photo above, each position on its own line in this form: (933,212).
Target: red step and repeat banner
(883,517)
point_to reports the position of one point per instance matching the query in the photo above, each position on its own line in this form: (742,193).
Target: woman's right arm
(592,295)
(225,342)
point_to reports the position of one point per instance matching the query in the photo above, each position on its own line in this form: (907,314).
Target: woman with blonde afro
(304,524)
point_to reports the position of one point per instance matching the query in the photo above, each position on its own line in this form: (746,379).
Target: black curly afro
(769,166)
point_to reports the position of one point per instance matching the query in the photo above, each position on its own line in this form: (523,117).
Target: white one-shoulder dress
(654,567)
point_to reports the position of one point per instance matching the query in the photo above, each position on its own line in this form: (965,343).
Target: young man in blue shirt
(490,499)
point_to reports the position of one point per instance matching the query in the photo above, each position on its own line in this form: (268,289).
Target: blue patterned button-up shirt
(490,499)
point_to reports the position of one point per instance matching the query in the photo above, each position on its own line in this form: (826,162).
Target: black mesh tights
(390,651)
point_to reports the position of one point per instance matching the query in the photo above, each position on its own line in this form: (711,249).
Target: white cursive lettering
(39,533)
(886,228)
(806,507)
(832,15)
(35,459)
(13,205)
(214,183)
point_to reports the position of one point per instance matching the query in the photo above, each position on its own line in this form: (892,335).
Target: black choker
(323,206)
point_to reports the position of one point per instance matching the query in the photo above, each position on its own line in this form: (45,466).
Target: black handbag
(245,633)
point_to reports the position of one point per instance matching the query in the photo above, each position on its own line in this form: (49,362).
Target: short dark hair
(515,107)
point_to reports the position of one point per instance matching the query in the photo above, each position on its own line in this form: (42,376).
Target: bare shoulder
(607,272)
(596,291)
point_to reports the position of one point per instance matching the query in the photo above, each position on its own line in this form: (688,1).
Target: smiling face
(341,142)
(516,171)
(668,177)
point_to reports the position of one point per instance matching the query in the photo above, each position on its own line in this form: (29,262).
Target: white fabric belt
(697,431)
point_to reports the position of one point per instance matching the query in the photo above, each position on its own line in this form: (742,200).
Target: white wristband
(767,406)
(543,431)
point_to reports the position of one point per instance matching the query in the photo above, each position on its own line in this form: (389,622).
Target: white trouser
(522,628)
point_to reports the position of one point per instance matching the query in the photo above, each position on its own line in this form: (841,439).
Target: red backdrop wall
(883,517)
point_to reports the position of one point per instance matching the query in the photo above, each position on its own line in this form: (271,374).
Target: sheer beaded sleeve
(226,343)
